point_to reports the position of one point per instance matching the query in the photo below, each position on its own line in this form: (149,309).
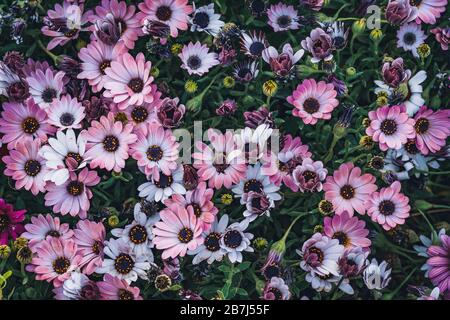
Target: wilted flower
(442,36)
(376,276)
(255,118)
(315,5)
(400,11)
(170,113)
(227,108)
(319,44)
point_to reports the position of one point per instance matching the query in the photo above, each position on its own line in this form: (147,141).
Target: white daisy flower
(66,113)
(283,17)
(45,87)
(257,204)
(376,276)
(253,142)
(409,37)
(197,59)
(253,44)
(204,19)
(162,188)
(235,241)
(325,283)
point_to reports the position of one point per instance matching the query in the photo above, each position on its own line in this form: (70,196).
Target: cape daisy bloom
(96,57)
(89,237)
(283,17)
(113,288)
(155,149)
(66,113)
(439,262)
(409,37)
(350,231)
(24,122)
(220,163)
(309,175)
(205,19)
(124,16)
(107,143)
(73,195)
(428,11)
(177,232)
(45,86)
(391,127)
(143,115)
(197,59)
(26,166)
(348,190)
(162,186)
(432,129)
(10,222)
(55,260)
(313,101)
(128,81)
(174,13)
(388,207)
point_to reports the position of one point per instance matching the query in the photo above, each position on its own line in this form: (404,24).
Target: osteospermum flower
(350,231)
(89,237)
(155,150)
(320,255)
(121,262)
(276,289)
(66,113)
(73,195)
(246,71)
(197,59)
(43,227)
(26,166)
(253,44)
(283,17)
(388,207)
(96,57)
(107,143)
(253,142)
(410,37)
(319,44)
(309,175)
(45,86)
(313,101)
(143,115)
(205,19)
(114,288)
(177,232)
(220,163)
(24,122)
(123,15)
(282,63)
(162,186)
(376,276)
(174,13)
(55,260)
(391,127)
(432,129)
(63,155)
(439,262)
(428,11)
(128,81)
(77,287)
(348,190)
(325,283)
(235,240)
(10,222)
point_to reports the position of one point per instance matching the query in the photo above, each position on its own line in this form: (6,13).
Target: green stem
(426,219)
(331,149)
(392,294)
(291,226)
(54,57)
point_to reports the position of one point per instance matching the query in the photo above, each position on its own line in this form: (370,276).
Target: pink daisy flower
(54,261)
(439,261)
(107,143)
(113,288)
(10,222)
(155,149)
(309,175)
(145,114)
(391,127)
(42,227)
(26,166)
(177,232)
(313,101)
(24,123)
(428,11)
(220,163)
(124,17)
(64,23)
(350,231)
(388,207)
(96,57)
(174,13)
(432,129)
(283,17)
(197,59)
(198,203)
(348,190)
(66,113)
(89,237)
(72,196)
(279,167)
(128,81)
(45,86)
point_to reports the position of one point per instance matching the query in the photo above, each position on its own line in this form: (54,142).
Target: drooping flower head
(319,44)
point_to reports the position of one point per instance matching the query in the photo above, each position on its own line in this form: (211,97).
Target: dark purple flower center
(123,263)
(342,237)
(284,21)
(232,239)
(164,181)
(197,209)
(154,153)
(220,163)
(311,105)
(136,84)
(61,265)
(276,293)
(194,62)
(97,247)
(139,114)
(185,235)
(75,188)
(256,48)
(67,119)
(32,168)
(422,125)
(409,38)
(164,13)
(71,33)
(257,6)
(125,295)
(347,192)
(201,19)
(411,147)
(212,241)
(105,64)
(53,233)
(316,254)
(30,125)
(253,185)
(111,143)
(388,127)
(386,207)
(415,3)
(48,95)
(138,234)
(309,175)
(270,271)
(75,156)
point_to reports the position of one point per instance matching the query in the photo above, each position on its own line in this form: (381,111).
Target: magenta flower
(279,167)
(96,57)
(319,44)
(89,237)
(10,222)
(26,166)
(43,227)
(220,163)
(72,196)
(313,101)
(391,127)
(124,17)
(282,63)
(394,73)
(113,288)
(439,261)
(107,143)
(388,207)
(309,175)
(348,190)
(24,123)
(55,260)
(400,11)
(442,36)
(432,129)
(128,81)
(173,13)
(350,231)
(177,232)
